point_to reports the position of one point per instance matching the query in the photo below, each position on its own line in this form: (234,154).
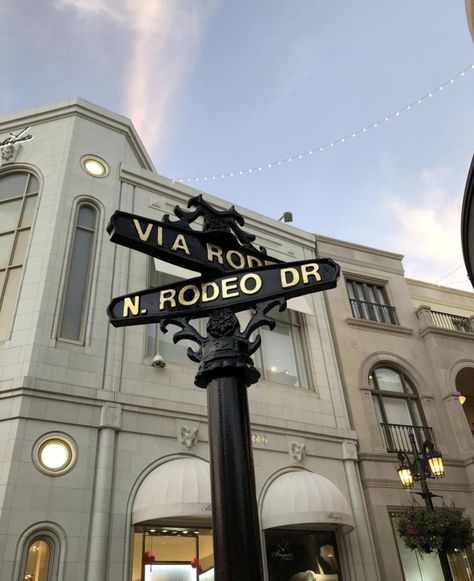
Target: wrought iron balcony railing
(373,312)
(451,322)
(396,436)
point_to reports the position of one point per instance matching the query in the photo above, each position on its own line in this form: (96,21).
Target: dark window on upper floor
(369,301)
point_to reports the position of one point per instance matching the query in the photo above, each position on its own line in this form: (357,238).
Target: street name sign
(202,296)
(210,252)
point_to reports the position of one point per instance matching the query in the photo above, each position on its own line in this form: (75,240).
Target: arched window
(395,398)
(18,197)
(79,277)
(39,559)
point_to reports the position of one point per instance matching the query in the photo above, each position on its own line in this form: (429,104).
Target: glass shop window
(302,556)
(172,554)
(18,198)
(38,561)
(427,566)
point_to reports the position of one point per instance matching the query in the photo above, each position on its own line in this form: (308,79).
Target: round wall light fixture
(54,454)
(95,166)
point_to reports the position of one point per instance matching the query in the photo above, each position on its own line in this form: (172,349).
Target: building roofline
(81,108)
(439,288)
(353,245)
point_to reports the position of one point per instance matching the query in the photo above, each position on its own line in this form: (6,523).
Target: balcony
(396,436)
(433,320)
(373,312)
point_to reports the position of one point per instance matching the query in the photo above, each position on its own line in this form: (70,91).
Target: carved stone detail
(297,451)
(188,437)
(8,153)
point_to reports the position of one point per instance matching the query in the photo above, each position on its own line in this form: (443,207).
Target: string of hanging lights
(340,140)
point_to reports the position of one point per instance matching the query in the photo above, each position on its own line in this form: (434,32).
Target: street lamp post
(427,463)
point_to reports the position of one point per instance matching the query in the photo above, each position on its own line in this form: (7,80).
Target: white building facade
(104,450)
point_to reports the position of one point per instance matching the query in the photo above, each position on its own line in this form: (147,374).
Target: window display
(302,556)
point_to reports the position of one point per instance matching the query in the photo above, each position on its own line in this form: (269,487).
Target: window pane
(6,243)
(388,380)
(13,185)
(20,247)
(37,562)
(73,307)
(8,303)
(9,215)
(33,185)
(86,217)
(150,340)
(171,352)
(28,212)
(397,411)
(278,355)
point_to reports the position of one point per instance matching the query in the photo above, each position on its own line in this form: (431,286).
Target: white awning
(177,488)
(301,497)
(299,304)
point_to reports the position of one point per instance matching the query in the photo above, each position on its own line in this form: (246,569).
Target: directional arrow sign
(210,252)
(199,297)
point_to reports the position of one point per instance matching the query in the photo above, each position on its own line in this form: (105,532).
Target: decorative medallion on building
(297,451)
(188,437)
(10,146)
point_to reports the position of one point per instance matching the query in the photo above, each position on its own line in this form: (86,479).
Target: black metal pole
(427,497)
(237,549)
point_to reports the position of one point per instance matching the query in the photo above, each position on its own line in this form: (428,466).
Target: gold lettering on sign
(243,283)
(308,270)
(131,305)
(230,259)
(214,251)
(206,296)
(254,261)
(143,235)
(292,273)
(229,287)
(167,296)
(180,244)
(159,236)
(188,302)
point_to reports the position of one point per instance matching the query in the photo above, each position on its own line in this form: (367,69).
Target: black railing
(396,436)
(451,322)
(373,312)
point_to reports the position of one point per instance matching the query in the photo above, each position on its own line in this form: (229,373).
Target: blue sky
(217,86)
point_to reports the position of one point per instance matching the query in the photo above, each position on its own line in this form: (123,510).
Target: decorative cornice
(432,330)
(380,327)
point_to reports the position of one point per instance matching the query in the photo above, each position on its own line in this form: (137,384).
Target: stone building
(405,353)
(104,453)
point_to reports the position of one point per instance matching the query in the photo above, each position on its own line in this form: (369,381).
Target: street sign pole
(236,276)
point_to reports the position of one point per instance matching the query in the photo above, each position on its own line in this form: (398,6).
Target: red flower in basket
(149,558)
(196,565)
(411,530)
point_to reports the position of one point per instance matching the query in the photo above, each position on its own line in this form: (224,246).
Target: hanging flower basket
(442,531)
(149,558)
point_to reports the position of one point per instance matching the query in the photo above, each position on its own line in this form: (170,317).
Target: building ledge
(432,330)
(380,327)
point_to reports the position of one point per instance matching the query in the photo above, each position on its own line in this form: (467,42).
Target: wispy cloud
(427,231)
(164,41)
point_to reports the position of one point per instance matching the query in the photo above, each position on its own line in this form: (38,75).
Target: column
(110,422)
(362,526)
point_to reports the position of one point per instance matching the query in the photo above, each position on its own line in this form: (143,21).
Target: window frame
(53,543)
(409,394)
(10,266)
(90,271)
(377,287)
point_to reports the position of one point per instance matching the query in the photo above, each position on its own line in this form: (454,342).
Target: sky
(219,87)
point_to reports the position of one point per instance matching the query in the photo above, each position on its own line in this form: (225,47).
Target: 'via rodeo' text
(199,297)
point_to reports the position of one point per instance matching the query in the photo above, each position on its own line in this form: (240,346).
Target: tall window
(18,197)
(38,560)
(369,301)
(395,398)
(281,358)
(162,343)
(79,277)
